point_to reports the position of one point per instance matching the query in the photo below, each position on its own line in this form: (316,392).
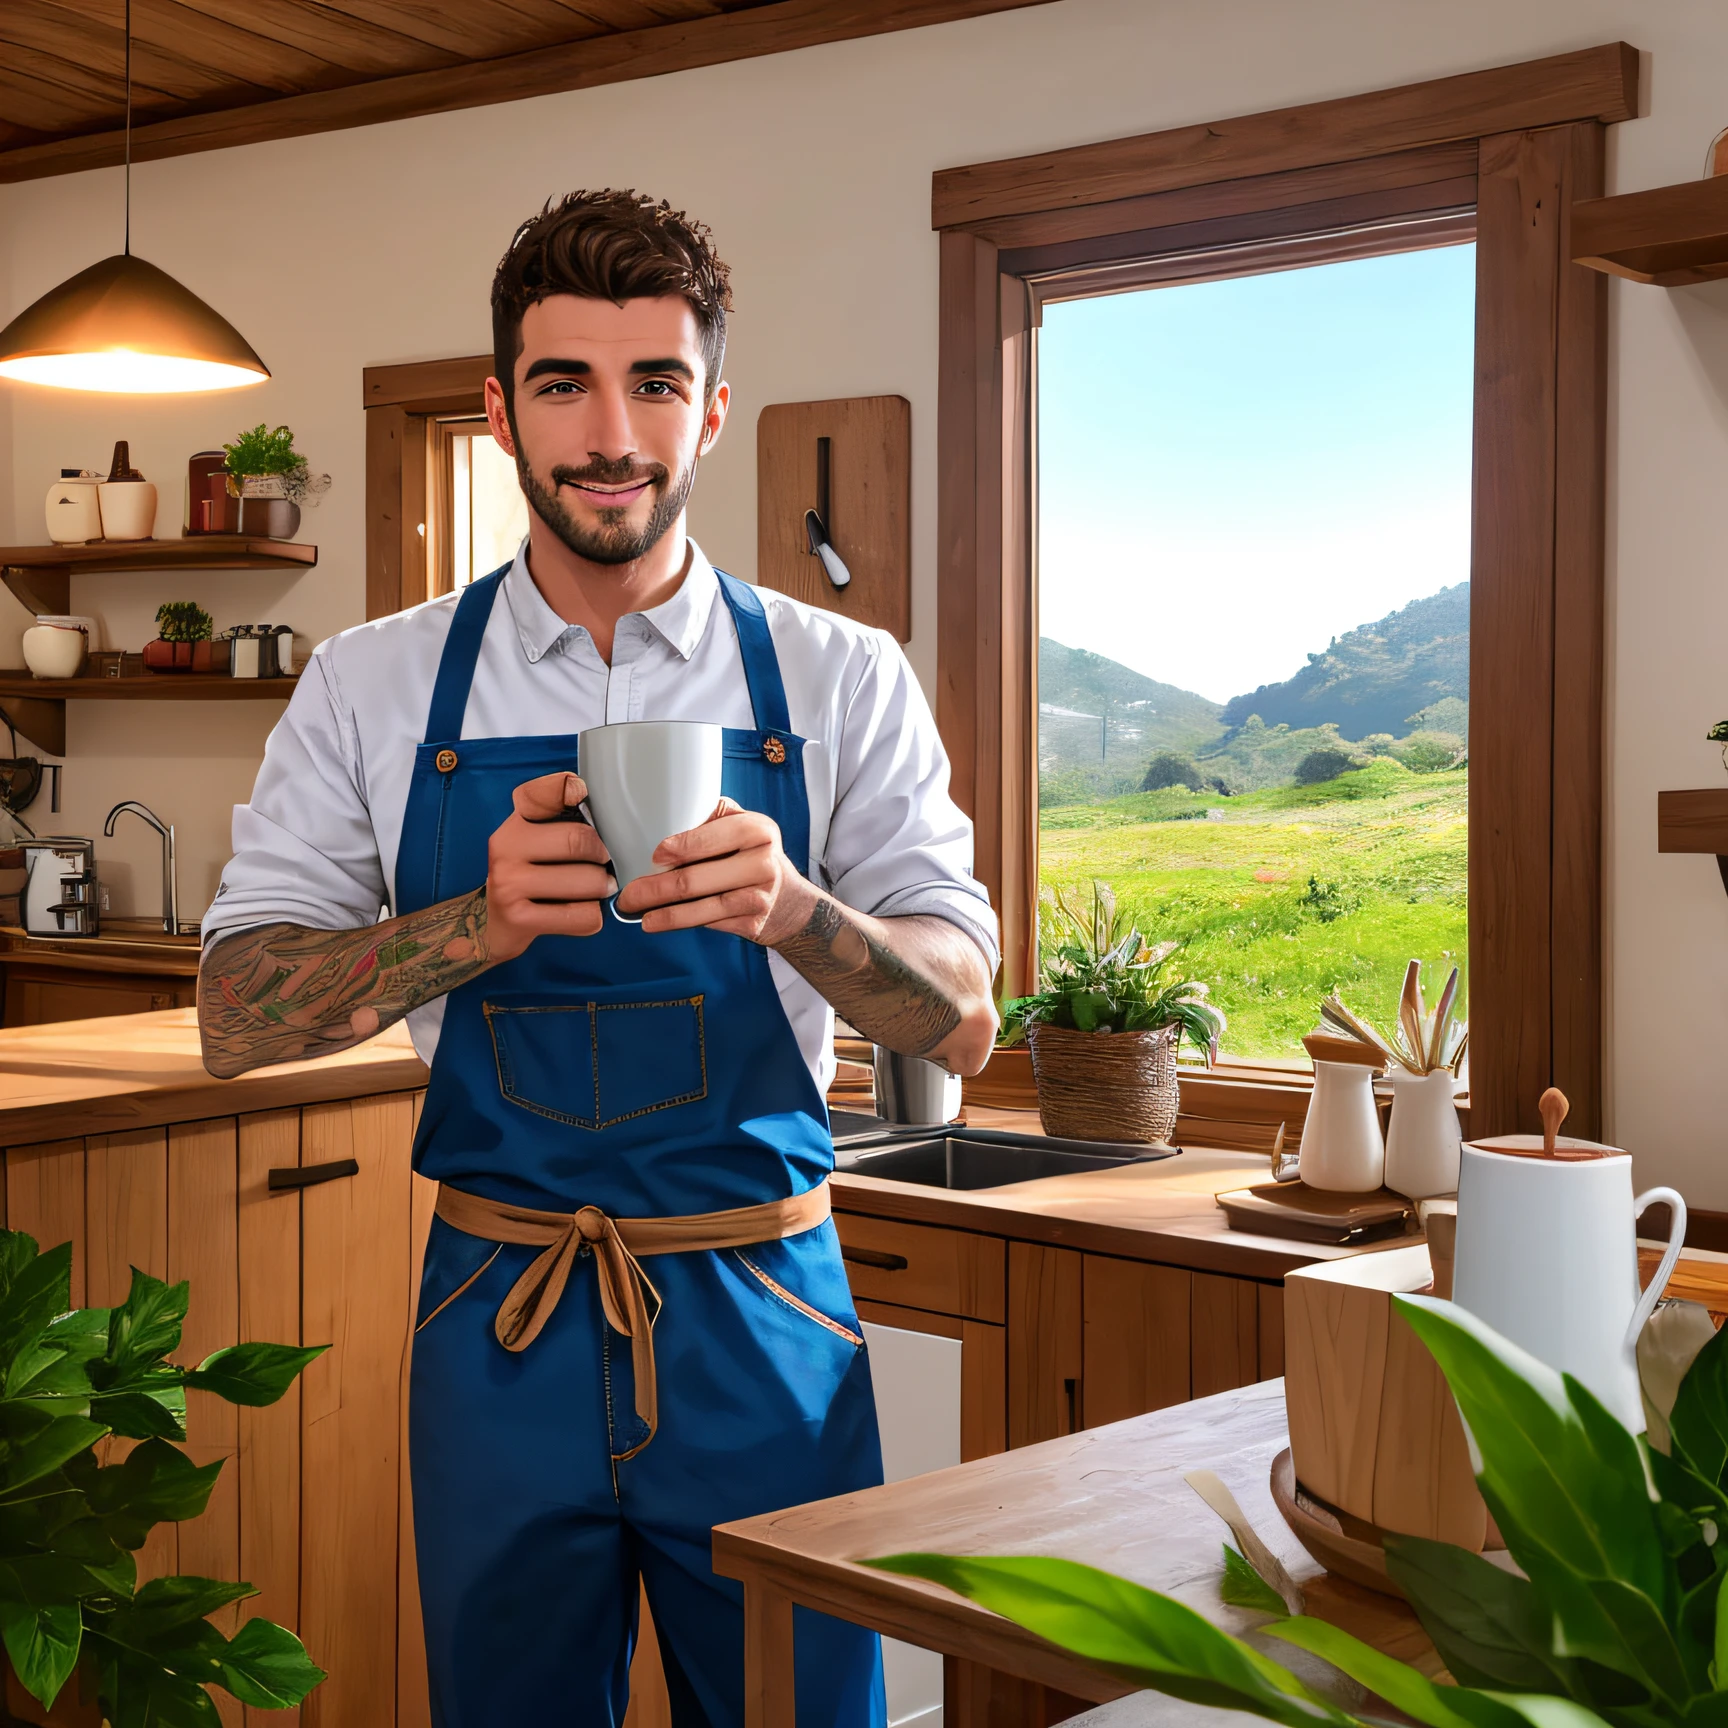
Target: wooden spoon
(1553,1107)
(1409,1013)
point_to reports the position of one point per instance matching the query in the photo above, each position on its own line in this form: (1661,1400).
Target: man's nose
(610,433)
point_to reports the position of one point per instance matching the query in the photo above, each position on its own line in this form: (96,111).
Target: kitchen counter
(125,945)
(1165,1210)
(79,1077)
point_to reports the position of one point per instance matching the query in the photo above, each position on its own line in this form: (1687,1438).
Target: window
(1253,623)
(1509,150)
(476,514)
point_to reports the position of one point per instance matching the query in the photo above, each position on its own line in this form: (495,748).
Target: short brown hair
(613,246)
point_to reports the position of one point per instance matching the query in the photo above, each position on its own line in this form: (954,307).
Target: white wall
(357,248)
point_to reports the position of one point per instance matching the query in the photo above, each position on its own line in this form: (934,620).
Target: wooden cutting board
(1306,1214)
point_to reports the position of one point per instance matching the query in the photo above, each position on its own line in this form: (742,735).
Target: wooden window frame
(405,459)
(1520,144)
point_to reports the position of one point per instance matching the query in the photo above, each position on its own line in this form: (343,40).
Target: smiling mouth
(610,497)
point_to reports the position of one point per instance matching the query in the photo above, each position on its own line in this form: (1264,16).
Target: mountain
(1377,676)
(1137,709)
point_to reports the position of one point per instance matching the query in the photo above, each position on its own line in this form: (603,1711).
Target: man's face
(609,420)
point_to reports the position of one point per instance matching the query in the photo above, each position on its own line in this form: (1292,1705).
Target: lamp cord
(128,128)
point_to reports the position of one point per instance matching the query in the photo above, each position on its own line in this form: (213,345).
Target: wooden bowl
(1319,1529)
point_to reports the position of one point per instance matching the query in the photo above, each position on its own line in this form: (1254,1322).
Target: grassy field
(1282,895)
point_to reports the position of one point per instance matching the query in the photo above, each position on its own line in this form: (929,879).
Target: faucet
(170,881)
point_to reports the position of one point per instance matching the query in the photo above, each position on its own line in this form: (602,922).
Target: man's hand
(546,871)
(730,873)
(918,985)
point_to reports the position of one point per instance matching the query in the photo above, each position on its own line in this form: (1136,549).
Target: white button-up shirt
(317,844)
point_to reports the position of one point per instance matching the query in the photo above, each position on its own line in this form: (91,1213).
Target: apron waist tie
(619,1244)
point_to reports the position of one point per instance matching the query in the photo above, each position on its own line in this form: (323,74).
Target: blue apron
(650,1076)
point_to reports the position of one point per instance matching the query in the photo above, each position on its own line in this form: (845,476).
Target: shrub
(1324,764)
(1172,768)
(1430,752)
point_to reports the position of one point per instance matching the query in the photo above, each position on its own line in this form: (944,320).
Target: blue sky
(1231,473)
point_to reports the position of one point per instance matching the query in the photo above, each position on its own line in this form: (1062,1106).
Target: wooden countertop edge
(1195,1242)
(910,1609)
(149,1106)
(112,958)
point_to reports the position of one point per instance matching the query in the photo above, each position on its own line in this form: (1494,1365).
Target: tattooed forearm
(282,993)
(909,984)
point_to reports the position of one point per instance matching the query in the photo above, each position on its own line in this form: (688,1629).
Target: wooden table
(1113,1497)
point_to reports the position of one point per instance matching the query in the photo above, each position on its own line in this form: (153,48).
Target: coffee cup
(646,780)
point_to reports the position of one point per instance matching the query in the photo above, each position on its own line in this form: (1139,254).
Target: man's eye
(659,386)
(562,387)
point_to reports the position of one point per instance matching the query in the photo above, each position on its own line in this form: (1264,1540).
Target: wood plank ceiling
(211,73)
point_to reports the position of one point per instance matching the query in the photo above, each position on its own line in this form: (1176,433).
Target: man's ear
(498,417)
(714,421)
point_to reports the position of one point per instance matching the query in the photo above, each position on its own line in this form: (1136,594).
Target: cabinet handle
(310,1175)
(875,1257)
(1072,1388)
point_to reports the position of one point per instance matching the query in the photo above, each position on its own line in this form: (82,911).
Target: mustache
(605,471)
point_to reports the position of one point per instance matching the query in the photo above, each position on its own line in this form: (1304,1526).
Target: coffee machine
(61,895)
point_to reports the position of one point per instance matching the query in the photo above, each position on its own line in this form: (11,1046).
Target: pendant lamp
(125,327)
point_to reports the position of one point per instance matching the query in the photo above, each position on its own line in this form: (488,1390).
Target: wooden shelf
(40,576)
(37,706)
(1670,236)
(1694,822)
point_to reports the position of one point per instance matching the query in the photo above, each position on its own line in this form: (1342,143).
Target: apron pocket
(596,1062)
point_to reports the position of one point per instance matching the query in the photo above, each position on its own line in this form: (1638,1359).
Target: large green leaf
(146,1326)
(1492,1629)
(266,1666)
(40,1291)
(150,1406)
(156,1482)
(253,1373)
(165,1603)
(1698,1423)
(1130,1631)
(137,1692)
(18,1251)
(25,1461)
(43,1645)
(1578,1485)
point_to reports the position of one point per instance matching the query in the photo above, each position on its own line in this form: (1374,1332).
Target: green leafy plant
(1102,976)
(183,621)
(262,451)
(1620,1616)
(69,1523)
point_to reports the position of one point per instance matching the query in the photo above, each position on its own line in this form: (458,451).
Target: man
(634,1321)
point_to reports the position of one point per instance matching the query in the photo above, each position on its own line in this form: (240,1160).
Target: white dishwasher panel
(917,1381)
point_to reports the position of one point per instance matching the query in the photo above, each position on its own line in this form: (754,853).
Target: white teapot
(1547,1253)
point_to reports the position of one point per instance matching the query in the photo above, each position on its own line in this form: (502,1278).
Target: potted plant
(1105,1025)
(183,629)
(84,1641)
(1616,1616)
(272,480)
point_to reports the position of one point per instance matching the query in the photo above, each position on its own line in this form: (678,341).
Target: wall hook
(816,521)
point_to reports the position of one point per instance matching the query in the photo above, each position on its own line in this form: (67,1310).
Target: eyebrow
(581,368)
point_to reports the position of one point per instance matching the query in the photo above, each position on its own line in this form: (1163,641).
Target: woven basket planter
(1105,1085)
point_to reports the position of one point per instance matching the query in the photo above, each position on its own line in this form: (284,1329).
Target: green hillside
(1377,677)
(1099,721)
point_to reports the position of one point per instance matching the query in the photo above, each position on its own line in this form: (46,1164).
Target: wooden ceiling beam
(170,26)
(331,35)
(480,32)
(769,29)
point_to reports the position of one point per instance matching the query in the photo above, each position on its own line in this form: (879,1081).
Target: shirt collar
(680,622)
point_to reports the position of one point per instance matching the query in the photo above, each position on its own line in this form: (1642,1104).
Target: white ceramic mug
(648,779)
(1547,1254)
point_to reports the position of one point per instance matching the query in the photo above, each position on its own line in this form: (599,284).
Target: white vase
(1342,1152)
(54,650)
(74,514)
(1422,1141)
(128,509)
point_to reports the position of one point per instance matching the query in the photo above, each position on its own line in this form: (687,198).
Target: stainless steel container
(909,1089)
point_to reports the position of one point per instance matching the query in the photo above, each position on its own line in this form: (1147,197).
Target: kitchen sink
(971,1158)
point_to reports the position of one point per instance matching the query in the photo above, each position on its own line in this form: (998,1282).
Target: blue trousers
(532,1533)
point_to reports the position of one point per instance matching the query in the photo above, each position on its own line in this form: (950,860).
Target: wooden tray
(1320,1529)
(1313,1215)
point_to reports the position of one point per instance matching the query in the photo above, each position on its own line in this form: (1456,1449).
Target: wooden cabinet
(38,994)
(313,1505)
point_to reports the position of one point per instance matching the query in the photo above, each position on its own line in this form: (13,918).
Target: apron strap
(761,664)
(461,654)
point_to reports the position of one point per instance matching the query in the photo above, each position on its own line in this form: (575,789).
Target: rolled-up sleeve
(898,844)
(305,851)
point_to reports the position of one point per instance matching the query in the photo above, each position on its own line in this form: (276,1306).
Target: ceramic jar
(73,509)
(128,500)
(1422,1141)
(1342,1152)
(55,650)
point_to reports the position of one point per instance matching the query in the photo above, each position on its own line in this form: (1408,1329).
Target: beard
(614,540)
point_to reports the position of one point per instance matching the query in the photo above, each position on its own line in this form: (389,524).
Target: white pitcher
(1547,1255)
(1422,1141)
